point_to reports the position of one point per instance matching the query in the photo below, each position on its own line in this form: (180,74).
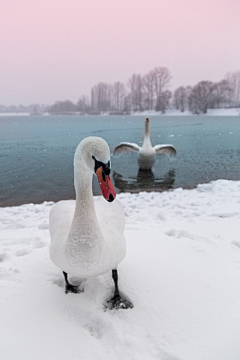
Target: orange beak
(106,185)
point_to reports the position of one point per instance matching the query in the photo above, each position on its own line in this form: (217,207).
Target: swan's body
(147,153)
(87,234)
(87,245)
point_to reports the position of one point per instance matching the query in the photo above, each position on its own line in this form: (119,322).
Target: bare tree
(101,97)
(202,97)
(234,82)
(135,84)
(62,107)
(163,101)
(148,85)
(161,80)
(127,103)
(119,92)
(222,93)
(83,104)
(180,98)
(188,95)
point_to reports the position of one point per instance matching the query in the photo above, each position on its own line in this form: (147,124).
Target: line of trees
(32,109)
(203,96)
(151,92)
(148,92)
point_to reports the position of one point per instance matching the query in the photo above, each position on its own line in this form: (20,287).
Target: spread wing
(124,147)
(166,149)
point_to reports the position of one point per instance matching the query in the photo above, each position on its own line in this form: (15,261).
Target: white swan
(146,153)
(87,234)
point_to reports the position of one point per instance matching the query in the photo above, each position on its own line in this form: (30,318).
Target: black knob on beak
(111,198)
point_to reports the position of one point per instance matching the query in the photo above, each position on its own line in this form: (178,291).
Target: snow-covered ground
(210,112)
(15,114)
(182,273)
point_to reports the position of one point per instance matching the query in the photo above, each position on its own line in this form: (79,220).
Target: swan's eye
(105,167)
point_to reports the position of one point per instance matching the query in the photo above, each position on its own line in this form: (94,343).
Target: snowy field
(211,112)
(182,273)
(174,112)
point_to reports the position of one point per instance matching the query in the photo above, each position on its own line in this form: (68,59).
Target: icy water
(36,153)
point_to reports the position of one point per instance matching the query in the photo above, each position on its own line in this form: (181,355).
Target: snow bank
(15,114)
(174,112)
(182,273)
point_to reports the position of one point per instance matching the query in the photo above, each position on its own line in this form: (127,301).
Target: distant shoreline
(211,112)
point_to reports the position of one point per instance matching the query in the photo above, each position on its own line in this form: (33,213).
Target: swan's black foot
(117,302)
(72,289)
(69,288)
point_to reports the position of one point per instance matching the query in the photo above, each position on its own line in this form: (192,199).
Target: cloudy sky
(58,49)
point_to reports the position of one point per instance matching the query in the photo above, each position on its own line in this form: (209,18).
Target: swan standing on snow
(146,153)
(87,234)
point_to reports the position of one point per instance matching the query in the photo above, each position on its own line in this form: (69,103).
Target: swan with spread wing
(147,153)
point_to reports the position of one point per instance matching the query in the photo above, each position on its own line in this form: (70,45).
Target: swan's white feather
(125,147)
(60,221)
(87,234)
(166,149)
(111,217)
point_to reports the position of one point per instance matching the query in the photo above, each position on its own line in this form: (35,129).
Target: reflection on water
(144,181)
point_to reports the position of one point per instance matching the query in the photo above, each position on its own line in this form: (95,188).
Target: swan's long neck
(84,195)
(147,140)
(85,236)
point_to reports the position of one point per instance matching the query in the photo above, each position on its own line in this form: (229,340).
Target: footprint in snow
(43,226)
(58,281)
(39,244)
(180,234)
(3,257)
(225,215)
(236,243)
(22,252)
(96,328)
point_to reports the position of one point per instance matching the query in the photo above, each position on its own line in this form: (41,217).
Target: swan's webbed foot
(117,302)
(72,289)
(69,288)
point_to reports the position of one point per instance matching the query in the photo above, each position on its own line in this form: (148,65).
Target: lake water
(36,153)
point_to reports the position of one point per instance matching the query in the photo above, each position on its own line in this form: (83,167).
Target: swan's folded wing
(124,147)
(111,216)
(166,149)
(60,219)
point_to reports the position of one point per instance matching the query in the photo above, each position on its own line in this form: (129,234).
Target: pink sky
(58,49)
